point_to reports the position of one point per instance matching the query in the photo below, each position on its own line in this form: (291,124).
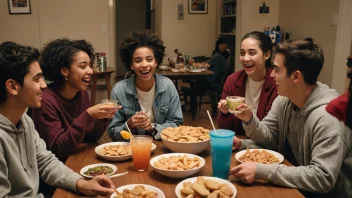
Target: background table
(192,77)
(107,74)
(86,156)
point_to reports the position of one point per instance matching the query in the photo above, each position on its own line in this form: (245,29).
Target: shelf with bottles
(229,8)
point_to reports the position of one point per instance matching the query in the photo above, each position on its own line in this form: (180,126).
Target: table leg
(108,84)
(94,89)
(193,99)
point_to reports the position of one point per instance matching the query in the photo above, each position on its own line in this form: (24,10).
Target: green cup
(233,102)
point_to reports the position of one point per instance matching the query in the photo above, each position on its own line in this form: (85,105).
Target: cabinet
(228,28)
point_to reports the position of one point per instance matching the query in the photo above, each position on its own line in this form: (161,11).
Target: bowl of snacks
(94,170)
(138,190)
(177,165)
(186,139)
(205,187)
(116,151)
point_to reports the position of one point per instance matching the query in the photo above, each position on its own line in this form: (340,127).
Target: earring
(66,78)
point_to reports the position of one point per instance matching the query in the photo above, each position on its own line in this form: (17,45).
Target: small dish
(116,158)
(84,169)
(147,187)
(194,179)
(196,70)
(276,154)
(177,173)
(175,70)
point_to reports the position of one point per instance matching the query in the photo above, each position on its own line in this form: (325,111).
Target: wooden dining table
(192,77)
(86,155)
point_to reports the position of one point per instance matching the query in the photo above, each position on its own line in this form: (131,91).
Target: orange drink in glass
(141,146)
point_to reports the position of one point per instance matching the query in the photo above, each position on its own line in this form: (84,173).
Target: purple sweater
(64,124)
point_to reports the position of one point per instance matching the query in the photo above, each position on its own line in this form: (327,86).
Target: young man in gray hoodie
(24,159)
(299,127)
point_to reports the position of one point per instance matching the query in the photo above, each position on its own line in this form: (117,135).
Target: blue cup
(221,150)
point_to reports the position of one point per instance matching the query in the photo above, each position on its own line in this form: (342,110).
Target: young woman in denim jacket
(149,102)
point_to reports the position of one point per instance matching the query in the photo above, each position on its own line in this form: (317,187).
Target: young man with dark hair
(24,159)
(299,127)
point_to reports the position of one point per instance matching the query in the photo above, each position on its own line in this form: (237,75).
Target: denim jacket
(166,107)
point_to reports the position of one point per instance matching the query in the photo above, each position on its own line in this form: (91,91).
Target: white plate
(116,158)
(177,173)
(175,70)
(196,70)
(193,179)
(148,187)
(84,169)
(276,154)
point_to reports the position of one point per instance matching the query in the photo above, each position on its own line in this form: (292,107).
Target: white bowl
(186,147)
(175,70)
(193,179)
(164,67)
(116,158)
(177,173)
(84,169)
(276,154)
(148,187)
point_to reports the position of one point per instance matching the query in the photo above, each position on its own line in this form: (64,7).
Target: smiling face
(144,65)
(252,57)
(79,74)
(284,83)
(30,94)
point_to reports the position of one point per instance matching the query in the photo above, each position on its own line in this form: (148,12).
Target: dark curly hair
(141,39)
(58,54)
(15,60)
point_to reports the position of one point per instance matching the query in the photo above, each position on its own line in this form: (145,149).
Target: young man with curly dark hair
(150,102)
(24,159)
(66,118)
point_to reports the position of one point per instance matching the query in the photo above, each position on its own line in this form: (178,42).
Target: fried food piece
(200,189)
(212,185)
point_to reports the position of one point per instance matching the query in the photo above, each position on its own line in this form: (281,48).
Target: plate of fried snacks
(186,139)
(205,187)
(177,165)
(94,170)
(138,190)
(263,156)
(116,151)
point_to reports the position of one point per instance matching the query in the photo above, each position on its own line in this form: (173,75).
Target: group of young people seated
(286,110)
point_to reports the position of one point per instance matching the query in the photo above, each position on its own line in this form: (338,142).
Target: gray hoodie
(324,144)
(24,160)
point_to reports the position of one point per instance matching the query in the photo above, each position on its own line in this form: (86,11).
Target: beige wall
(23,29)
(51,19)
(194,35)
(312,19)
(249,19)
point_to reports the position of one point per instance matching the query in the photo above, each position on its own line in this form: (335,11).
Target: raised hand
(140,120)
(246,113)
(102,110)
(222,106)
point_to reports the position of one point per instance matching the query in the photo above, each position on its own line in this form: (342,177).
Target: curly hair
(15,60)
(58,54)
(137,40)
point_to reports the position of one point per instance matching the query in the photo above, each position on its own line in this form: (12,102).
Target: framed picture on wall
(19,6)
(197,6)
